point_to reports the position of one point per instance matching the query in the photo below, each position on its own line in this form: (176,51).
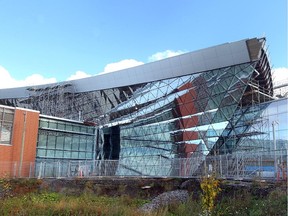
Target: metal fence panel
(241,165)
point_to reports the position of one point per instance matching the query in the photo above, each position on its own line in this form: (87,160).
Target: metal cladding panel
(203,60)
(220,56)
(19,92)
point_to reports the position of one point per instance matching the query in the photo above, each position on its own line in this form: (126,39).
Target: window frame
(9,123)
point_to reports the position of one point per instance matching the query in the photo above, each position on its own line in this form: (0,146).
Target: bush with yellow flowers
(210,187)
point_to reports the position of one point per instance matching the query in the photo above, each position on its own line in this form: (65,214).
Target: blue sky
(54,40)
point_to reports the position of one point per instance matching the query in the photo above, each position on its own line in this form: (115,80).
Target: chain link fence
(262,165)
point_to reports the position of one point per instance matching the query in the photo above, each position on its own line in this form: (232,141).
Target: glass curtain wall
(273,119)
(173,118)
(150,123)
(64,140)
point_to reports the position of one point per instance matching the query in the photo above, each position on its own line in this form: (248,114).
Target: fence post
(286,171)
(185,166)
(227,166)
(30,169)
(105,164)
(15,169)
(220,164)
(215,167)
(237,167)
(69,169)
(205,166)
(85,168)
(243,165)
(275,147)
(259,167)
(40,170)
(59,169)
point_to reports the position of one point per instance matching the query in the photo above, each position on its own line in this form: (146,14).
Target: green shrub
(210,189)
(242,202)
(57,204)
(245,203)
(5,187)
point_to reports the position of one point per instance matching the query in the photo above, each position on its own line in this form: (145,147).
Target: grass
(49,203)
(247,204)
(25,198)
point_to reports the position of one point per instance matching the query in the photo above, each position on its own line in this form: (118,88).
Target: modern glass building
(60,139)
(213,101)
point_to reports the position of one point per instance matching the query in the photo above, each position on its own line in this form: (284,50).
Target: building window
(65,140)
(6,124)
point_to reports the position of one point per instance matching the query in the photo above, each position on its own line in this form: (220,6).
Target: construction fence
(242,165)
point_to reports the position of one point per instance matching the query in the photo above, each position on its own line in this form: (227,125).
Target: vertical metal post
(59,169)
(79,173)
(237,168)
(69,169)
(286,171)
(227,165)
(220,164)
(281,160)
(40,170)
(105,164)
(15,169)
(95,148)
(30,169)
(185,166)
(44,168)
(215,167)
(85,172)
(259,166)
(22,144)
(205,167)
(275,148)
(243,164)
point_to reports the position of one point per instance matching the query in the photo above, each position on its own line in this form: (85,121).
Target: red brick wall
(185,106)
(24,140)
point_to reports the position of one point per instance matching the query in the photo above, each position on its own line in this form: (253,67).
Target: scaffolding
(55,100)
(63,101)
(257,126)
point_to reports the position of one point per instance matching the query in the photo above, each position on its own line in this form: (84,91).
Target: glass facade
(60,139)
(175,117)
(229,108)
(276,114)
(6,124)
(253,127)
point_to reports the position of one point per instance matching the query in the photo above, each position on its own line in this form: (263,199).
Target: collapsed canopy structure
(207,102)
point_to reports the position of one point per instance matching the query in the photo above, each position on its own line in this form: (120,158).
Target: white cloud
(280,75)
(126,63)
(7,81)
(165,54)
(37,79)
(78,75)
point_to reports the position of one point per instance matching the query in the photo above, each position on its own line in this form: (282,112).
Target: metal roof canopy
(219,56)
